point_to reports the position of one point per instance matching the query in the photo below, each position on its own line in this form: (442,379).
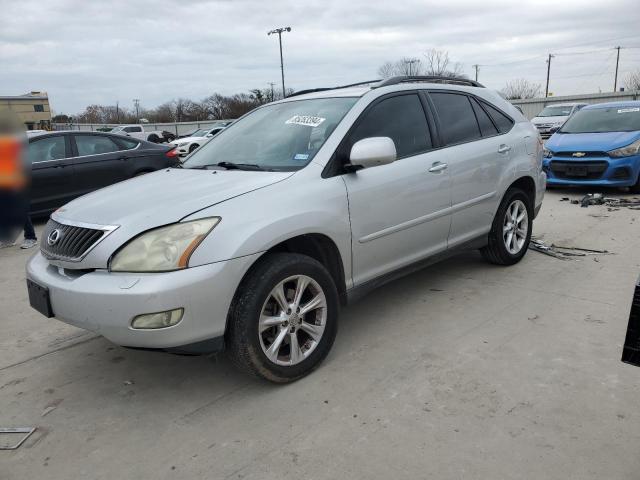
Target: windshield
(117,129)
(281,136)
(599,120)
(556,111)
(199,133)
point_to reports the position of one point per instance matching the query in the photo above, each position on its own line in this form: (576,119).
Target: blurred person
(14,203)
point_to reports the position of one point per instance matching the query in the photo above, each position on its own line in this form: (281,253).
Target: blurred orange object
(12,175)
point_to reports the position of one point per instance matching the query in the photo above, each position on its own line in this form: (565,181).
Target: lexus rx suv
(294,210)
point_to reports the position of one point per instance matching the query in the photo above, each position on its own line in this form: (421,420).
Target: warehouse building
(31,108)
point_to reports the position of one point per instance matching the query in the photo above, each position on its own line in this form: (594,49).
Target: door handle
(437,167)
(504,148)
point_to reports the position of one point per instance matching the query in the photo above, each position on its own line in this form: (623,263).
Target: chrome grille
(71,242)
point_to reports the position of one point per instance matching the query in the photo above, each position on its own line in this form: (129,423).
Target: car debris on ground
(564,252)
(600,199)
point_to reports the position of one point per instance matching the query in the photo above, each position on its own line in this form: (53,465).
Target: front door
(399,212)
(51,172)
(99,162)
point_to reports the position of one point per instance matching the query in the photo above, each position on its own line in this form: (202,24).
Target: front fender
(259,220)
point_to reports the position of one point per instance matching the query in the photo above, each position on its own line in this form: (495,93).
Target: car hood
(555,119)
(591,142)
(187,139)
(163,197)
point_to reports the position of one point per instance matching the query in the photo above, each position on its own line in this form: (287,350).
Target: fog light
(158,320)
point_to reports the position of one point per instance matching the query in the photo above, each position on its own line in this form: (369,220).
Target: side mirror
(371,152)
(209,135)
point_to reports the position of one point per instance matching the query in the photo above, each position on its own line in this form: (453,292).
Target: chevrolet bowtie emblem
(579,154)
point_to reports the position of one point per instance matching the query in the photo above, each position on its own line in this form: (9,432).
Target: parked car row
(553,116)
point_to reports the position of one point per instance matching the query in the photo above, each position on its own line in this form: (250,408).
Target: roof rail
(429,79)
(322,89)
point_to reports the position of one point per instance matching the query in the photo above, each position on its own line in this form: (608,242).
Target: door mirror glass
(372,151)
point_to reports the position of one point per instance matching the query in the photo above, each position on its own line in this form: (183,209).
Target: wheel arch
(318,246)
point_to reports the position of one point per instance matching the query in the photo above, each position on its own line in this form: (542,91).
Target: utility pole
(477,67)
(273,95)
(117,112)
(136,103)
(615,80)
(410,62)
(279,32)
(546,91)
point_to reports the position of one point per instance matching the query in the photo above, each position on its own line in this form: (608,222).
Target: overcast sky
(87,51)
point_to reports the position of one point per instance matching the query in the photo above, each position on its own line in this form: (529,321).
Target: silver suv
(297,208)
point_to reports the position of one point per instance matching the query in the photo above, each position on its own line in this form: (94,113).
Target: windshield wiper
(231,166)
(239,166)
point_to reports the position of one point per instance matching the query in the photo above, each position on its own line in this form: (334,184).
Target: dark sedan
(66,165)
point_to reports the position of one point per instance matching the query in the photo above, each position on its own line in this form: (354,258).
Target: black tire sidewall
(512,195)
(247,309)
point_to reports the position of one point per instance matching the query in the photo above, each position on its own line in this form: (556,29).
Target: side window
(503,122)
(132,129)
(457,120)
(48,148)
(400,118)
(94,145)
(487,128)
(126,143)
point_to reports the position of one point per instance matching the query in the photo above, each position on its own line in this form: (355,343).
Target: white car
(552,117)
(187,145)
(138,131)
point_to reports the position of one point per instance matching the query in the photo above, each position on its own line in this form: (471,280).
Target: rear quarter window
(503,122)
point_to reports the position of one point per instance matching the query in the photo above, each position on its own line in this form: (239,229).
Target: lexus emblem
(579,154)
(53,237)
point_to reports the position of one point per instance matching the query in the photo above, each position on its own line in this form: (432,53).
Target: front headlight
(628,151)
(546,153)
(163,249)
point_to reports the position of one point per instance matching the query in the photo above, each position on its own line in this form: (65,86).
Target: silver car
(297,208)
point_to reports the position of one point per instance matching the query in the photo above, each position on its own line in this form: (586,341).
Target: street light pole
(615,80)
(279,32)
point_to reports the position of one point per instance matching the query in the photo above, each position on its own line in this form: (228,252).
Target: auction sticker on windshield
(308,120)
(628,110)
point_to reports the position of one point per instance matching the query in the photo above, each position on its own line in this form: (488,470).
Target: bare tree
(437,63)
(632,81)
(403,67)
(520,88)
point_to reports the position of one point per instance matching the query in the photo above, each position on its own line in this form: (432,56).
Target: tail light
(173,153)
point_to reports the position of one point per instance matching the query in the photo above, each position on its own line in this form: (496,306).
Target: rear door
(399,212)
(52,172)
(99,162)
(476,154)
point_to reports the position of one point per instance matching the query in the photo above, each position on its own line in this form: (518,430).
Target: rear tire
(284,318)
(154,138)
(510,233)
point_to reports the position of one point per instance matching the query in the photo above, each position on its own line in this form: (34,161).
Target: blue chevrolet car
(598,146)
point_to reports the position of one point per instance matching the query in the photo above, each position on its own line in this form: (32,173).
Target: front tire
(511,229)
(284,317)
(193,147)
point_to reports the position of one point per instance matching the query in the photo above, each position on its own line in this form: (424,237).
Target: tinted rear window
(503,122)
(457,120)
(487,128)
(598,120)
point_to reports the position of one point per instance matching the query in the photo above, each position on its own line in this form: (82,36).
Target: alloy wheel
(292,320)
(515,227)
